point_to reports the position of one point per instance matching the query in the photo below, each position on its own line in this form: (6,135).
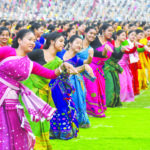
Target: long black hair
(51,27)
(70,29)
(20,35)
(89,28)
(146,28)
(104,27)
(18,26)
(52,37)
(119,32)
(131,31)
(35,26)
(73,38)
(139,31)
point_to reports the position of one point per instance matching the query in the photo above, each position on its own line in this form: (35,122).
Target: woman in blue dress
(80,95)
(77,80)
(38,30)
(64,124)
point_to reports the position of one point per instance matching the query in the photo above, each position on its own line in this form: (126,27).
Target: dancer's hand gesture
(125,49)
(89,70)
(108,48)
(69,68)
(91,52)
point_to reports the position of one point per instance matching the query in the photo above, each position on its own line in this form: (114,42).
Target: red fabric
(60,30)
(139,65)
(146,54)
(134,70)
(148,38)
(113,43)
(140,46)
(131,50)
(41,46)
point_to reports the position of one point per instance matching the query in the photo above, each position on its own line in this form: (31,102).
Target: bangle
(60,70)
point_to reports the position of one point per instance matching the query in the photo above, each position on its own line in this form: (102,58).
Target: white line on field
(147,107)
(102,126)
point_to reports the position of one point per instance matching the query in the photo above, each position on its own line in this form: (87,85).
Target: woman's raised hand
(69,68)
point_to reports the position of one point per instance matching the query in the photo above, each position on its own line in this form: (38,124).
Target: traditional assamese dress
(144,66)
(148,44)
(79,96)
(111,71)
(64,124)
(15,131)
(134,64)
(145,42)
(39,43)
(96,98)
(40,86)
(126,86)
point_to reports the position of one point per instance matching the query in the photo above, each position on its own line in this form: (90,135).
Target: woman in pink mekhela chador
(126,85)
(15,66)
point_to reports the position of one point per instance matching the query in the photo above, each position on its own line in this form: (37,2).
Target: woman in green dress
(111,71)
(40,87)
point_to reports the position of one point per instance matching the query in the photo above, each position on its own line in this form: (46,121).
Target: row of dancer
(74,96)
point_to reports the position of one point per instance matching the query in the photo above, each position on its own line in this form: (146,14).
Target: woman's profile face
(72,32)
(82,28)
(132,36)
(28,42)
(126,27)
(39,31)
(147,33)
(108,32)
(76,45)
(122,37)
(90,35)
(115,25)
(140,36)
(59,43)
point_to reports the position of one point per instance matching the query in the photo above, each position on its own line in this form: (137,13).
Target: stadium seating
(76,9)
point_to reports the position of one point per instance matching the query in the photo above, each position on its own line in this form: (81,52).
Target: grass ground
(124,128)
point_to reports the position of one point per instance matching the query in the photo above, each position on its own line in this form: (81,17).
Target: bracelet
(60,70)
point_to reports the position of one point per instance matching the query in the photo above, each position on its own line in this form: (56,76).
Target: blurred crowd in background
(117,10)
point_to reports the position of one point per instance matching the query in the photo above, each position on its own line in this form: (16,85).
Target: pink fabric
(96,98)
(126,85)
(16,131)
(6,51)
(43,72)
(12,136)
(37,68)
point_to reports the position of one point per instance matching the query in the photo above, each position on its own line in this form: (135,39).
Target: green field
(124,128)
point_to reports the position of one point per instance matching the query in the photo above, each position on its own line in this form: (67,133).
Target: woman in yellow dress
(144,62)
